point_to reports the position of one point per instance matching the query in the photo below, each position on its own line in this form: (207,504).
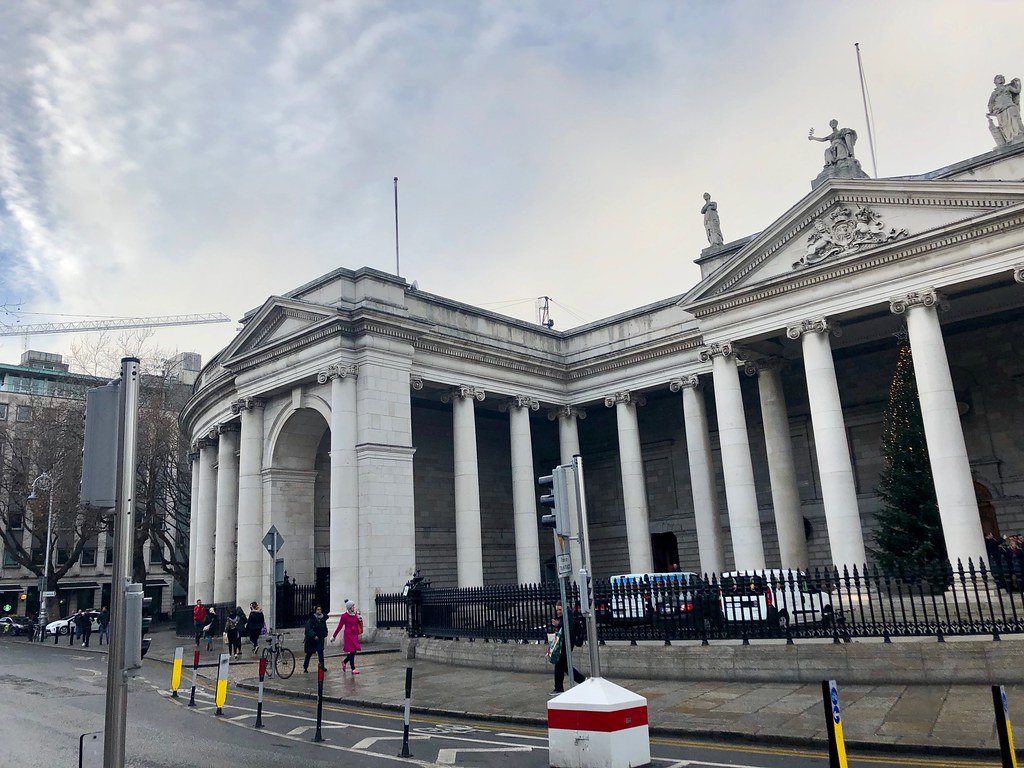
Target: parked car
(774,598)
(64,626)
(14,625)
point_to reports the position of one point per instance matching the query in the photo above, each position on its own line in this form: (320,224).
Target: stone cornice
(634,355)
(953,234)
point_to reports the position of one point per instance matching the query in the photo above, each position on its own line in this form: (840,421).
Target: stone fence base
(906,662)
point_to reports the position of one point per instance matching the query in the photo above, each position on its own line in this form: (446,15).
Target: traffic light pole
(586,594)
(115,720)
(566,624)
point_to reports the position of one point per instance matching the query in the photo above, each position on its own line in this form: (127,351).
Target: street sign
(273,541)
(49,593)
(564,565)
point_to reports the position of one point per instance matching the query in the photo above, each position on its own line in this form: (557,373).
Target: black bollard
(259,694)
(319,702)
(408,700)
(195,675)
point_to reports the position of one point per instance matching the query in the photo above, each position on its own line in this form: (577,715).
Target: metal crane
(120,323)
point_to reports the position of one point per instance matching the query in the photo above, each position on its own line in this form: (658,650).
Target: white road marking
(521,736)
(367,743)
(448,756)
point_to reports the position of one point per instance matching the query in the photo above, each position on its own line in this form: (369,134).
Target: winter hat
(349,604)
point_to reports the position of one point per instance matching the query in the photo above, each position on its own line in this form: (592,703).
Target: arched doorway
(297,493)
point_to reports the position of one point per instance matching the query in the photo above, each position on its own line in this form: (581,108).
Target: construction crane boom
(41,329)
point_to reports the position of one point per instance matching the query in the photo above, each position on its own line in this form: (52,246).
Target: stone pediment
(842,221)
(278,320)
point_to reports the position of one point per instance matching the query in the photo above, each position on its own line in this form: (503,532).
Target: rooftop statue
(840,162)
(1004,108)
(712,225)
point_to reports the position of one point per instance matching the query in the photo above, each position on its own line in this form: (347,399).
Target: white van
(778,598)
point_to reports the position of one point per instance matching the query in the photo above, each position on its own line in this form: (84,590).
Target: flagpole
(867,117)
(397,261)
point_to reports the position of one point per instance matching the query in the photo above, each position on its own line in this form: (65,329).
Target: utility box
(598,724)
(133,600)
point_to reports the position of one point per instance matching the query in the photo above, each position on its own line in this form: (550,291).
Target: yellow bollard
(179,655)
(834,725)
(1007,752)
(222,682)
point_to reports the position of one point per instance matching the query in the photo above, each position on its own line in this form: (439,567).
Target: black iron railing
(295,603)
(836,603)
(184,626)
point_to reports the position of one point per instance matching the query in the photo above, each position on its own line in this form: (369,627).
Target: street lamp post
(46,482)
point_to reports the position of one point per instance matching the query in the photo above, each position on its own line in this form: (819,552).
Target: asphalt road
(50,696)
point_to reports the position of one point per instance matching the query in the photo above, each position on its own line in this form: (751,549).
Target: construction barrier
(195,677)
(834,725)
(259,693)
(318,736)
(179,656)
(408,701)
(222,682)
(1007,752)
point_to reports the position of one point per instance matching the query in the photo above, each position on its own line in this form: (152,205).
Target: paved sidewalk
(951,719)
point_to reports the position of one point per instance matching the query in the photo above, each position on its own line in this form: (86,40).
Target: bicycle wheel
(285,664)
(266,654)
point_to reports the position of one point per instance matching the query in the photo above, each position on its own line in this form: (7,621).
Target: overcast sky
(172,157)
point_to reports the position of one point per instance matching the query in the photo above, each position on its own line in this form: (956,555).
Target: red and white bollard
(598,724)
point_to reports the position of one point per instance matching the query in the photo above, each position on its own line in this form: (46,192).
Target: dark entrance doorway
(666,552)
(323,588)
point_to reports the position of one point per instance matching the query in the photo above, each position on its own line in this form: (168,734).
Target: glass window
(24,413)
(9,561)
(3,411)
(17,521)
(62,555)
(108,556)
(37,555)
(89,556)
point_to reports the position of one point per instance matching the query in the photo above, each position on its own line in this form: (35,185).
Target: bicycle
(280,660)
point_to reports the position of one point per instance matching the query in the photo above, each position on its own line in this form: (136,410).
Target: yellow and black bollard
(195,677)
(1006,751)
(222,682)
(179,656)
(834,725)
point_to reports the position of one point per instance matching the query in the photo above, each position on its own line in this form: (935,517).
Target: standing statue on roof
(1004,107)
(712,224)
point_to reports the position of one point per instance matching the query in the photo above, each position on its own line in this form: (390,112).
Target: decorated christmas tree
(909,532)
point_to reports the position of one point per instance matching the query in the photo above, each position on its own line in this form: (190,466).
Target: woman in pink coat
(352,624)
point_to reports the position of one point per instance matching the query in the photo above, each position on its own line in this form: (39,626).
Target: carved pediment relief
(844,232)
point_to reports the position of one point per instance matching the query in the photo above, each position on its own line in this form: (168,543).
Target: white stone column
(569,446)
(524,488)
(193,526)
(226,552)
(702,475)
(344,535)
(634,490)
(835,468)
(468,538)
(206,524)
(947,451)
(789,519)
(251,554)
(740,492)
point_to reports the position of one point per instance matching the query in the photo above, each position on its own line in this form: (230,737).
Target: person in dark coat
(254,626)
(83,622)
(577,633)
(316,633)
(104,625)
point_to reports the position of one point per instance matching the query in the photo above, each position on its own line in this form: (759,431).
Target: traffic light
(557,500)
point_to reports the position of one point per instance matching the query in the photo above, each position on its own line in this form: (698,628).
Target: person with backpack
(234,626)
(316,633)
(556,653)
(352,625)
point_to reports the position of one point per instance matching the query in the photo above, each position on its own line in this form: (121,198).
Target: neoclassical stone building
(383,429)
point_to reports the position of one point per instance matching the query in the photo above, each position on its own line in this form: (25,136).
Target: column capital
(566,412)
(519,401)
(718,349)
(193,454)
(206,441)
(625,397)
(814,325)
(228,426)
(691,381)
(464,392)
(1018,273)
(761,364)
(336,371)
(416,382)
(247,404)
(929,297)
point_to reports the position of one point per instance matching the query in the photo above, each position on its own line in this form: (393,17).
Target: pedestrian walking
(210,627)
(103,620)
(199,620)
(255,625)
(83,625)
(316,634)
(235,627)
(557,655)
(351,623)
